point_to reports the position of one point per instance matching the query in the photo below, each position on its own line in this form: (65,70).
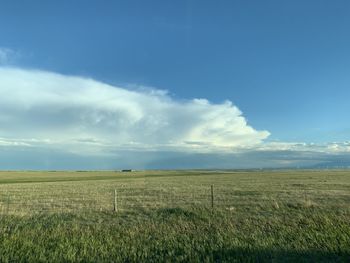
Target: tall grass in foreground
(176,234)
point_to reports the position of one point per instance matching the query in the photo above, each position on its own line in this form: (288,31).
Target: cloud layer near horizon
(53,121)
(45,109)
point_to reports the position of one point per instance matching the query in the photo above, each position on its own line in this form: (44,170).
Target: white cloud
(53,121)
(7,56)
(45,109)
(331,148)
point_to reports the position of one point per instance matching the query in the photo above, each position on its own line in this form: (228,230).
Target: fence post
(212,196)
(115,201)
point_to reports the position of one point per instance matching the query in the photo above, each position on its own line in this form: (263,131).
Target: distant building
(127,170)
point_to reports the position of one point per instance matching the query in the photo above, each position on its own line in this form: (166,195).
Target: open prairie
(260,215)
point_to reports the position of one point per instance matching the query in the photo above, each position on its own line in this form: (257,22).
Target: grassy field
(258,216)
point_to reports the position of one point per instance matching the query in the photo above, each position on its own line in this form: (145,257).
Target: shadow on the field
(270,255)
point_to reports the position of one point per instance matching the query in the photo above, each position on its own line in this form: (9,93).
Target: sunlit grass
(162,215)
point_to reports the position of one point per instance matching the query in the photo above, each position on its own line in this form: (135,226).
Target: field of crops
(168,215)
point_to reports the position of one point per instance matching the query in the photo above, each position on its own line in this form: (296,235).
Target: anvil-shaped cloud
(45,109)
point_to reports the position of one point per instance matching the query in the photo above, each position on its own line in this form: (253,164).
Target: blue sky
(283,64)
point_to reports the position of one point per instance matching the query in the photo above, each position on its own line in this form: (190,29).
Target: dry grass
(159,189)
(259,216)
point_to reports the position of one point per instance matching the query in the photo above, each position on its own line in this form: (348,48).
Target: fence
(30,201)
(48,198)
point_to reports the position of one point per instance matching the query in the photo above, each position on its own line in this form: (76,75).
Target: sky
(174,84)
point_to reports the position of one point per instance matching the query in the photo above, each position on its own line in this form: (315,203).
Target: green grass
(259,216)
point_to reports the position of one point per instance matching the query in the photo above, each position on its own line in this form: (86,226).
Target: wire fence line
(32,200)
